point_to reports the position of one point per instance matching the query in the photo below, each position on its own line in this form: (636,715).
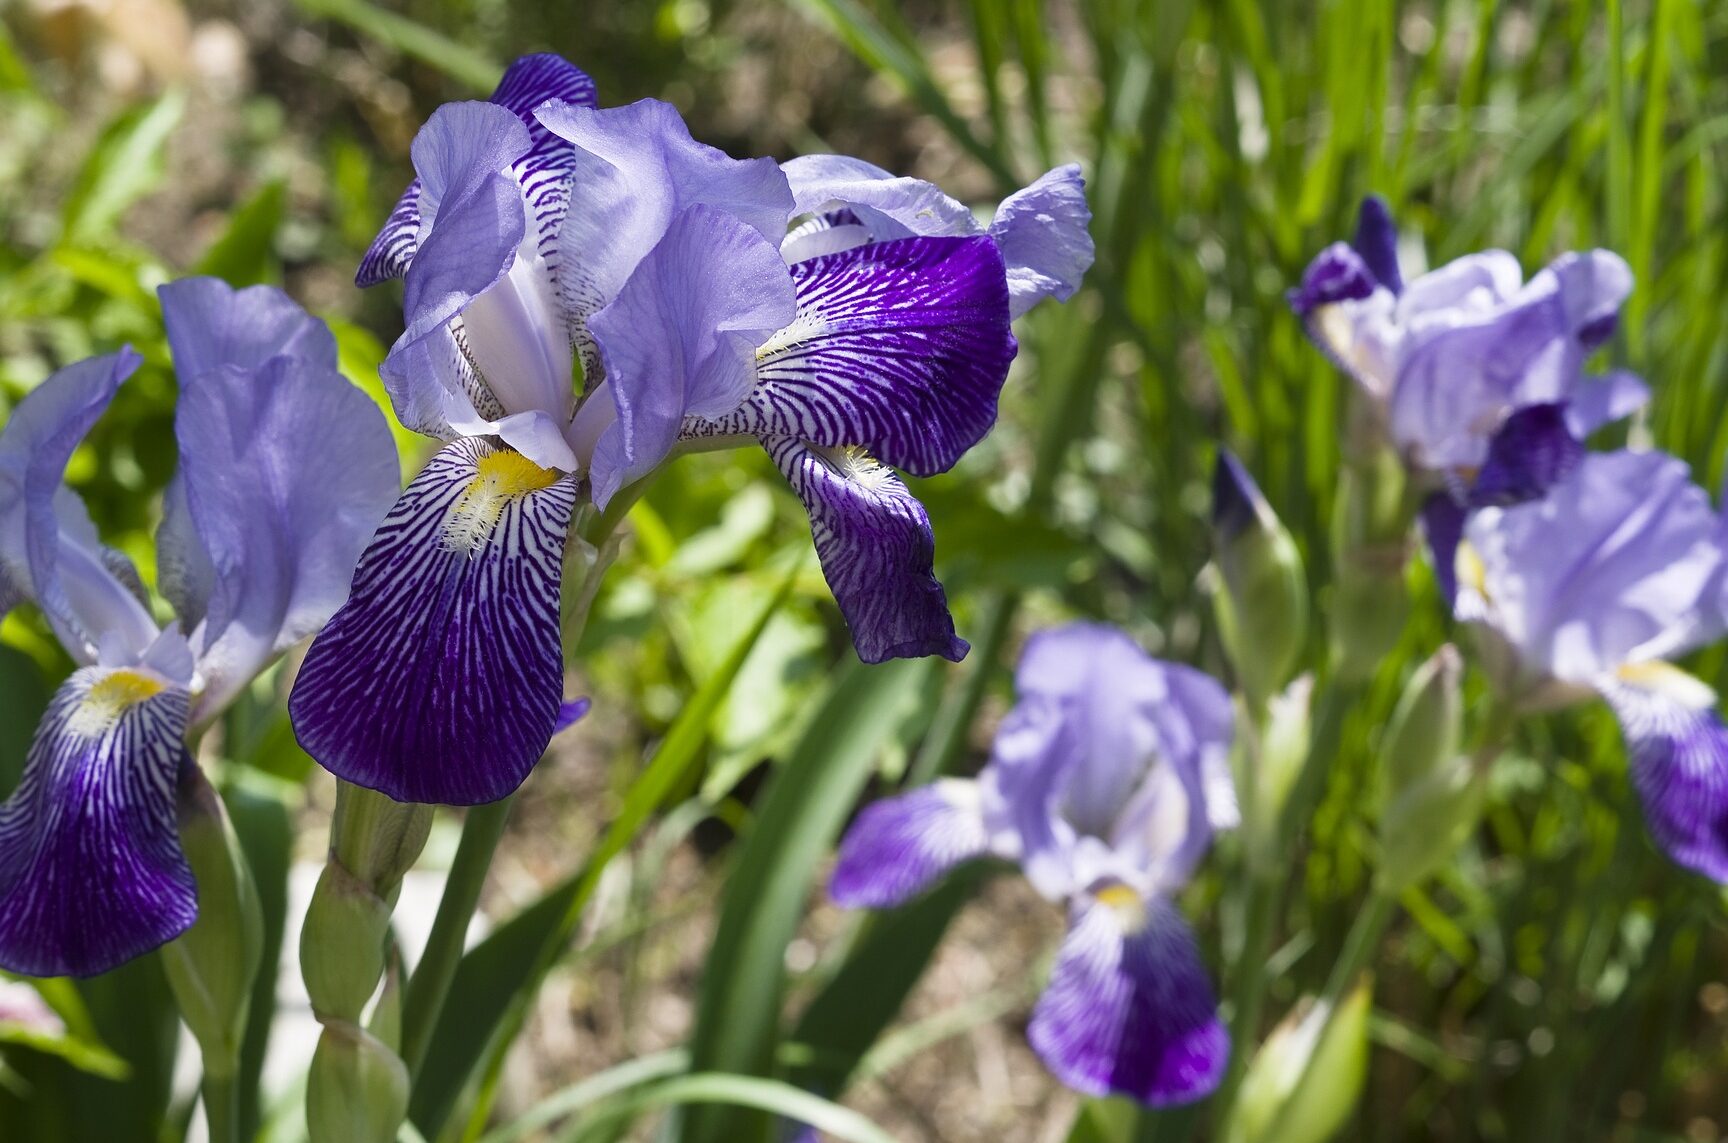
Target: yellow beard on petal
(500,478)
(1657,677)
(1125,903)
(110,698)
(1470,570)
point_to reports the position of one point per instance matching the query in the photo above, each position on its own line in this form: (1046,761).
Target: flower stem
(1248,984)
(1364,937)
(222,1108)
(430,983)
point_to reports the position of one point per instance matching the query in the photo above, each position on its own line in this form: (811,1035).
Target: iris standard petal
(1599,401)
(900,348)
(680,339)
(211,324)
(91,872)
(876,548)
(542,170)
(899,847)
(1042,233)
(887,206)
(1129,1009)
(1679,762)
(49,551)
(285,471)
(639,169)
(1376,242)
(440,679)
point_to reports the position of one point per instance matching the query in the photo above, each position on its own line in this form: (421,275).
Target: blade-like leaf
(124,166)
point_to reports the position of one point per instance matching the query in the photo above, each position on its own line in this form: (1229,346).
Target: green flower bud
(377,837)
(1267,760)
(212,965)
(1306,1078)
(1263,609)
(357,1091)
(342,943)
(1426,821)
(1370,548)
(1426,726)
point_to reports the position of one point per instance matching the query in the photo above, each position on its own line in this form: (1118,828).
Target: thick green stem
(430,983)
(222,1108)
(1248,983)
(1364,937)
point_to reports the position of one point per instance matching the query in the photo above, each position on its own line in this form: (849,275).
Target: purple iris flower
(285,469)
(1447,356)
(1107,781)
(1591,590)
(546,237)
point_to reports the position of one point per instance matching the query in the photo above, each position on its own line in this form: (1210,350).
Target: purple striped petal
(49,551)
(1042,233)
(1533,451)
(91,872)
(681,338)
(901,846)
(1129,1009)
(876,548)
(543,170)
(1679,762)
(900,348)
(440,679)
(1376,242)
(285,471)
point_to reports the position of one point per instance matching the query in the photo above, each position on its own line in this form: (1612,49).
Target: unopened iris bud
(1268,766)
(1263,609)
(1426,726)
(357,1091)
(1426,821)
(1307,1076)
(211,967)
(342,943)
(1370,548)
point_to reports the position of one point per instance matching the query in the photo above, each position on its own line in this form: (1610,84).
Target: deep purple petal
(91,872)
(900,348)
(1042,233)
(440,679)
(1237,502)
(1679,764)
(285,471)
(1337,274)
(1129,1009)
(680,339)
(49,551)
(876,548)
(1442,519)
(1533,451)
(1376,241)
(528,82)
(899,847)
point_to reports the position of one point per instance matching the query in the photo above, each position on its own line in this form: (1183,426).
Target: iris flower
(1591,590)
(688,291)
(1106,783)
(1446,357)
(285,469)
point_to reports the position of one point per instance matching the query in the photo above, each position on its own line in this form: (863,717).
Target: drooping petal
(439,680)
(1337,274)
(680,339)
(1129,1009)
(527,83)
(876,548)
(900,348)
(1599,401)
(285,471)
(899,847)
(210,324)
(1376,242)
(639,169)
(49,552)
(1442,518)
(1533,451)
(1042,233)
(91,872)
(1679,762)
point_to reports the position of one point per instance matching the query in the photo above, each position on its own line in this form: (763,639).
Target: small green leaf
(124,166)
(245,254)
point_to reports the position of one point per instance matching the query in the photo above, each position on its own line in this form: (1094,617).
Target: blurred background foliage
(1560,981)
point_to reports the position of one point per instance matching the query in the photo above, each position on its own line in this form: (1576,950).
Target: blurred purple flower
(1591,590)
(285,469)
(1107,782)
(1448,356)
(697,319)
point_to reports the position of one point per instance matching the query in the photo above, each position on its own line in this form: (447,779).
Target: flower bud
(357,1091)
(1370,548)
(1306,1078)
(1263,609)
(1425,727)
(377,837)
(212,965)
(1268,760)
(1426,821)
(342,943)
